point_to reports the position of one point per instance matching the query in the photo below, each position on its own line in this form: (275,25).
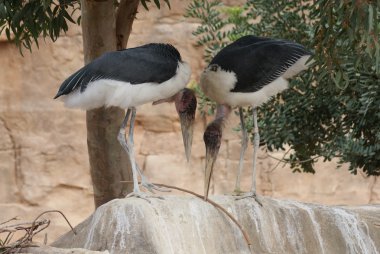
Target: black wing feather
(257,61)
(153,63)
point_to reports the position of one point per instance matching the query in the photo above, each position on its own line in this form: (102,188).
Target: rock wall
(43,157)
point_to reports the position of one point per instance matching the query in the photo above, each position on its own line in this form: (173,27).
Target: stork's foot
(142,195)
(148,185)
(249,195)
(237,192)
(151,187)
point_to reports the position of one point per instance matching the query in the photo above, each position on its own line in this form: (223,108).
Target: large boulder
(190,225)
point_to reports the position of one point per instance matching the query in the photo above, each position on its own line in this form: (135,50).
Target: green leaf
(157,2)
(370,18)
(3,11)
(168,3)
(67,16)
(143,2)
(7,32)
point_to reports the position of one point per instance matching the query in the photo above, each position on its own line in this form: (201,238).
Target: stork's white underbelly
(217,85)
(221,92)
(108,93)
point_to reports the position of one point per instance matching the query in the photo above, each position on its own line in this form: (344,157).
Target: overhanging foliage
(25,21)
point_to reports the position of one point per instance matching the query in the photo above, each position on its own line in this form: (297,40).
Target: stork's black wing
(153,63)
(257,61)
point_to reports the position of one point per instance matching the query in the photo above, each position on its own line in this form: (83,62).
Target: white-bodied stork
(128,78)
(247,72)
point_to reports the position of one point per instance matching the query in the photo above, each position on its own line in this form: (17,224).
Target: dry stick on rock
(31,230)
(23,241)
(212,203)
(55,211)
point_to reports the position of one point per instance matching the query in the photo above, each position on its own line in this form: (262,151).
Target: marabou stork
(128,78)
(247,72)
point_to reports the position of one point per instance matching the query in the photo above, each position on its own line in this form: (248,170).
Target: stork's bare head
(186,105)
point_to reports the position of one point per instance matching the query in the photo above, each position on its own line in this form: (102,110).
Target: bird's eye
(213,67)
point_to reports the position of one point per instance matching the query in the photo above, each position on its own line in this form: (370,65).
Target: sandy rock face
(189,225)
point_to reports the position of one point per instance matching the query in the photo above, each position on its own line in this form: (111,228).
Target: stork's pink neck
(222,111)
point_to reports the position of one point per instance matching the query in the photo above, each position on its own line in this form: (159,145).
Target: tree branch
(125,15)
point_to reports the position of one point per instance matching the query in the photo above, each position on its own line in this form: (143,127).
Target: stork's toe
(151,187)
(238,192)
(143,195)
(249,195)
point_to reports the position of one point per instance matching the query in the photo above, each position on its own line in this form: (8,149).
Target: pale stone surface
(52,250)
(189,225)
(43,153)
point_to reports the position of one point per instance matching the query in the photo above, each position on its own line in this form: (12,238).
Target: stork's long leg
(244,143)
(144,181)
(132,150)
(128,146)
(256,143)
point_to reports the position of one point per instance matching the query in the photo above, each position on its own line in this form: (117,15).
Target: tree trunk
(125,16)
(108,162)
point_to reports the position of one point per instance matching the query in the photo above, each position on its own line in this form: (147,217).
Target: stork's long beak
(210,160)
(187,122)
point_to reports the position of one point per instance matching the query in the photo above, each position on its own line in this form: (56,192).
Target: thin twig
(8,238)
(22,224)
(209,201)
(279,161)
(14,218)
(46,225)
(56,211)
(300,162)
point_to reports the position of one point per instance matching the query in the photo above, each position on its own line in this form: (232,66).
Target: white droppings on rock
(165,232)
(122,226)
(294,230)
(95,222)
(315,225)
(197,218)
(266,223)
(351,227)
